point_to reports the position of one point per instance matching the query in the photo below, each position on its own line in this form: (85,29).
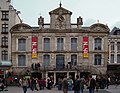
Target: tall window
(60,64)
(46,60)
(118,46)
(5,41)
(98,44)
(21,44)
(5,55)
(5,15)
(98,59)
(46,44)
(60,44)
(74,59)
(112,58)
(21,60)
(112,46)
(73,44)
(118,58)
(4,27)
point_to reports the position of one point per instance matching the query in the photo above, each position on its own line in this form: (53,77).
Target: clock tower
(60,18)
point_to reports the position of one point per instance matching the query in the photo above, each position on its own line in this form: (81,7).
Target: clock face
(60,18)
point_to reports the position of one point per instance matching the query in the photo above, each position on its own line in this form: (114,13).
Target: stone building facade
(60,47)
(8,18)
(114,52)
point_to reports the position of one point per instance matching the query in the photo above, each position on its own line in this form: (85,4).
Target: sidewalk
(113,89)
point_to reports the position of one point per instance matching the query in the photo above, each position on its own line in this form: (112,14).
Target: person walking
(82,83)
(92,84)
(77,85)
(24,85)
(65,84)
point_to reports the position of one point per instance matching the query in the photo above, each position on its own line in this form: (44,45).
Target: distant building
(60,47)
(114,52)
(8,18)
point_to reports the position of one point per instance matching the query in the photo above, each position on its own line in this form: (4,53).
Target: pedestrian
(49,83)
(92,84)
(24,85)
(77,85)
(59,84)
(70,83)
(65,84)
(82,83)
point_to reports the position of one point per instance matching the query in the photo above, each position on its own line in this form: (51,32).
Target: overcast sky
(106,11)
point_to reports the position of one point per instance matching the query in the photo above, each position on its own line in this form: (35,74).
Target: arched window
(74,59)
(98,59)
(21,44)
(60,64)
(46,44)
(46,60)
(98,44)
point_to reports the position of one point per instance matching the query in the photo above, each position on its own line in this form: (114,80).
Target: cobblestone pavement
(111,89)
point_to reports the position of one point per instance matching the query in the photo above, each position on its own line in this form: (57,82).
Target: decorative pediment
(60,10)
(99,27)
(20,26)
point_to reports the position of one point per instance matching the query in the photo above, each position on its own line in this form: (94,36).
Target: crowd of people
(64,84)
(80,83)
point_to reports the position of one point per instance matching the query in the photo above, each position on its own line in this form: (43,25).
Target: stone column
(54,78)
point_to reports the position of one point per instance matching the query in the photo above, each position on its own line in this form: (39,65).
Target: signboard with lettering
(34,47)
(85,47)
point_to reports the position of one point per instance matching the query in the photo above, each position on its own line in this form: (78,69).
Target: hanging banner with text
(34,47)
(85,47)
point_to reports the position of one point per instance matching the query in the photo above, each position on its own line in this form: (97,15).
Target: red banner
(85,47)
(34,47)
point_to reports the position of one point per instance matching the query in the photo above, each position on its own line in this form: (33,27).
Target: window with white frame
(46,60)
(46,44)
(21,60)
(112,46)
(118,58)
(98,43)
(5,55)
(5,27)
(5,15)
(74,59)
(5,41)
(21,44)
(73,44)
(98,59)
(60,44)
(118,46)
(112,58)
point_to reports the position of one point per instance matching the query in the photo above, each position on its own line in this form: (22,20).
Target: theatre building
(60,47)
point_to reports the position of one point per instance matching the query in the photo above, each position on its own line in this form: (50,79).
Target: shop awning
(5,63)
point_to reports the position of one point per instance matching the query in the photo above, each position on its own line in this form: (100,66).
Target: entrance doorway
(36,75)
(85,74)
(60,75)
(72,75)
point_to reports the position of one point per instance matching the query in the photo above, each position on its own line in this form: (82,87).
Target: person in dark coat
(77,85)
(92,84)
(65,84)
